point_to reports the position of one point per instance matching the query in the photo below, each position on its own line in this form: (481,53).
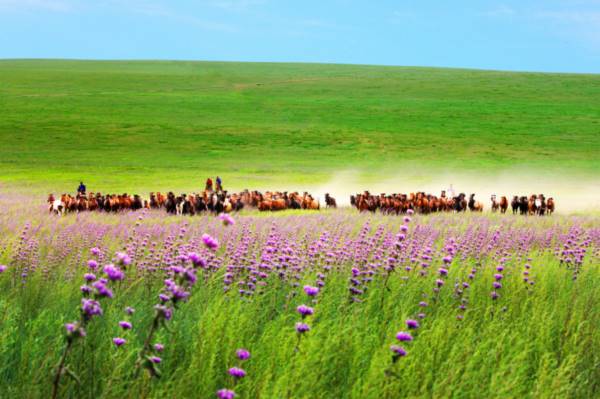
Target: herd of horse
(209,201)
(421,202)
(184,204)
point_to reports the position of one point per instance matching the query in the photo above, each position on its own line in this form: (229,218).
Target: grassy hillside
(126,124)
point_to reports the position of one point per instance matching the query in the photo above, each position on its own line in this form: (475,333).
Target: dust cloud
(571,193)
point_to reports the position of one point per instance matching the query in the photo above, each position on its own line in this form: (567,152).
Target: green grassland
(129,124)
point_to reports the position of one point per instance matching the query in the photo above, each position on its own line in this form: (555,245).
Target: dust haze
(571,193)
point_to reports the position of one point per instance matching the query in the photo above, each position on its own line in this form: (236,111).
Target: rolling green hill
(169,124)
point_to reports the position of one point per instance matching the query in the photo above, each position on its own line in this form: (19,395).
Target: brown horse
(330,201)
(475,206)
(503,204)
(495,204)
(550,206)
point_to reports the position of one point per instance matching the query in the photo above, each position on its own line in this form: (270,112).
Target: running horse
(504,204)
(495,204)
(330,201)
(475,206)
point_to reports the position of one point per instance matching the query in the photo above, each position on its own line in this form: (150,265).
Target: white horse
(57,207)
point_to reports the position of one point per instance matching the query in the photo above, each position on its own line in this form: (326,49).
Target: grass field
(534,341)
(126,125)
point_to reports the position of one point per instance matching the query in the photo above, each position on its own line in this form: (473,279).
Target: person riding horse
(209,184)
(81,189)
(219,186)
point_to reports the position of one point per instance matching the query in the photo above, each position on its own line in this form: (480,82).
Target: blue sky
(549,35)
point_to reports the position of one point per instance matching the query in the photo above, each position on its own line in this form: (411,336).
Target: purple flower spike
(125,325)
(113,272)
(123,258)
(302,328)
(237,372)
(159,347)
(2,268)
(225,394)
(92,264)
(90,307)
(119,341)
(210,242)
(227,219)
(155,359)
(242,354)
(196,259)
(305,310)
(164,298)
(498,276)
(404,336)
(310,290)
(398,350)
(412,324)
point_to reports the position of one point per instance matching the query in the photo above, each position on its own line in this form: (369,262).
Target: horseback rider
(209,184)
(219,186)
(81,189)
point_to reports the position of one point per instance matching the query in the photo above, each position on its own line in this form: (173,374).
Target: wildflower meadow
(334,304)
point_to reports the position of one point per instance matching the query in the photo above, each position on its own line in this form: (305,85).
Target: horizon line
(294,62)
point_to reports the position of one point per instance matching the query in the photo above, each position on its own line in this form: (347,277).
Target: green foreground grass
(123,125)
(542,347)
(535,342)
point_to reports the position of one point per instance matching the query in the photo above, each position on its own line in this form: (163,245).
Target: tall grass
(534,341)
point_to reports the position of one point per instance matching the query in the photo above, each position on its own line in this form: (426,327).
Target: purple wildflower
(310,290)
(225,394)
(404,336)
(125,325)
(210,242)
(237,372)
(90,307)
(305,310)
(242,354)
(302,328)
(113,272)
(398,350)
(412,324)
(226,219)
(92,264)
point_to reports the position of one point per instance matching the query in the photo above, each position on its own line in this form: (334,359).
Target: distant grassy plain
(126,125)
